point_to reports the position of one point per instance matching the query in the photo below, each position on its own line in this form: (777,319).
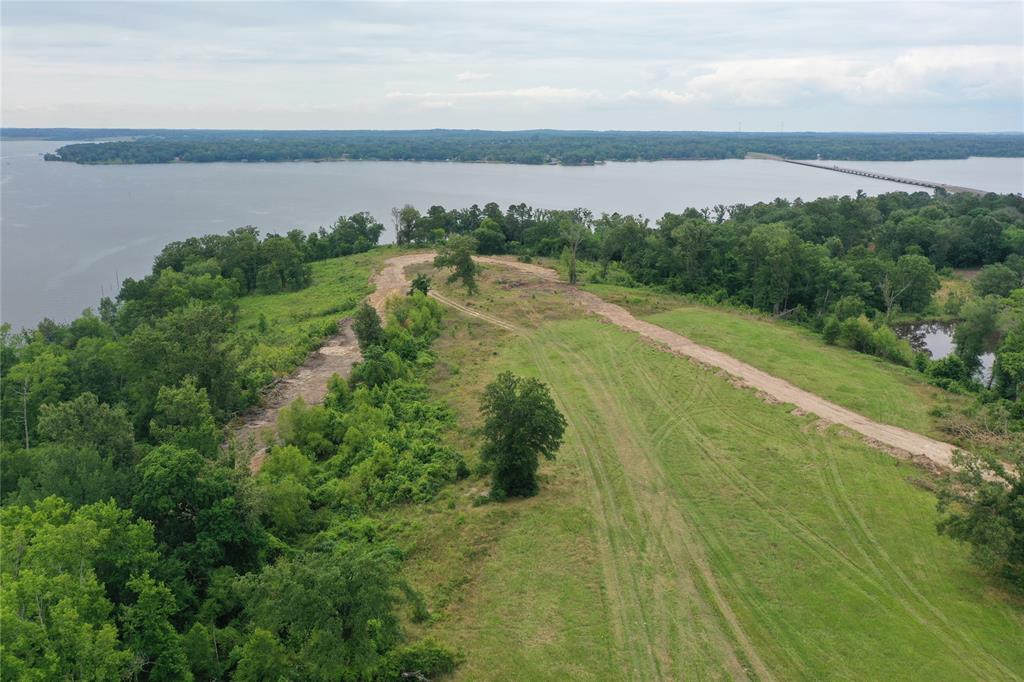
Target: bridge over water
(872,174)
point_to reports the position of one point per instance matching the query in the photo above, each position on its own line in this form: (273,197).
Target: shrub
(830,332)
(891,347)
(857,334)
(848,306)
(427,658)
(367,327)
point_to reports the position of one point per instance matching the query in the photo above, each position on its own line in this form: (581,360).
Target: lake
(937,339)
(70,233)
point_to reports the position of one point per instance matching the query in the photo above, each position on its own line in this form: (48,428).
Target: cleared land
(305,334)
(688,529)
(899,441)
(865,384)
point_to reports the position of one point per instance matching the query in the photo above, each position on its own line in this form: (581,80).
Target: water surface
(937,339)
(70,233)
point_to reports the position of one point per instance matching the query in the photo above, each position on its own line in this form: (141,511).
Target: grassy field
(294,323)
(687,530)
(863,383)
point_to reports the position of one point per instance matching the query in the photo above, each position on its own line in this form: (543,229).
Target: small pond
(937,339)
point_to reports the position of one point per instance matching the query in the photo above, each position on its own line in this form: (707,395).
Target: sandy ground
(341,351)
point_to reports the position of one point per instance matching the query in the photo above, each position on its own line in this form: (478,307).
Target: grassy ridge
(865,384)
(296,322)
(690,530)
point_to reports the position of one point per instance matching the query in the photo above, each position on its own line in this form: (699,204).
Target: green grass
(868,385)
(296,322)
(689,530)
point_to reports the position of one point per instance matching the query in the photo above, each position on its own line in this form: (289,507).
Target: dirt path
(922,449)
(336,356)
(340,352)
(308,382)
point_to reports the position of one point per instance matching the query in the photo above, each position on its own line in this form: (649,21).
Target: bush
(418,314)
(984,501)
(950,369)
(489,242)
(857,334)
(996,280)
(922,361)
(428,658)
(891,347)
(379,366)
(848,306)
(367,327)
(830,332)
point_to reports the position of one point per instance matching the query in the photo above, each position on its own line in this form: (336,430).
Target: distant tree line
(846,266)
(526,147)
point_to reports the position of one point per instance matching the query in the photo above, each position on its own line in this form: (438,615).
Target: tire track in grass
(892,576)
(956,638)
(624,596)
(937,453)
(776,513)
(473,313)
(729,474)
(677,547)
(806,536)
(883,582)
(703,540)
(633,557)
(881,575)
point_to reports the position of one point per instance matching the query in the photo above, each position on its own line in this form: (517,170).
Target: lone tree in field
(366,324)
(457,253)
(420,283)
(521,422)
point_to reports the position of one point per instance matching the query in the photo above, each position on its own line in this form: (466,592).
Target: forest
(524,147)
(136,546)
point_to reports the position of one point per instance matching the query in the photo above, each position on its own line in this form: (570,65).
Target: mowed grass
(690,530)
(870,386)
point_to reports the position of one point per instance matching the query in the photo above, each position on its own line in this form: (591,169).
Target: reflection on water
(937,339)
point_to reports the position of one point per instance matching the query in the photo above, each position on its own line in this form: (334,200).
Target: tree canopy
(521,424)
(566,147)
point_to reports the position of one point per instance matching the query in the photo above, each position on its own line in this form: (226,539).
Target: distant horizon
(518,130)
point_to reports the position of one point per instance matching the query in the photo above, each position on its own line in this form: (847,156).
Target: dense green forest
(134,545)
(529,147)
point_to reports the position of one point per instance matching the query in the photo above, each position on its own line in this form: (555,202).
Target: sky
(768,66)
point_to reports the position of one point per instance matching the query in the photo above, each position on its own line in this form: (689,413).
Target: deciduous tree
(521,424)
(457,253)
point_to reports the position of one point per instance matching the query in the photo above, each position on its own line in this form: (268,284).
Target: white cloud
(539,95)
(969,71)
(950,74)
(471,76)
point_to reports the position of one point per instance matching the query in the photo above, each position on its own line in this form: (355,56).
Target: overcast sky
(500,65)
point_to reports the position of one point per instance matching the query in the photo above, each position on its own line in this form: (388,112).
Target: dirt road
(309,382)
(336,356)
(341,352)
(922,449)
